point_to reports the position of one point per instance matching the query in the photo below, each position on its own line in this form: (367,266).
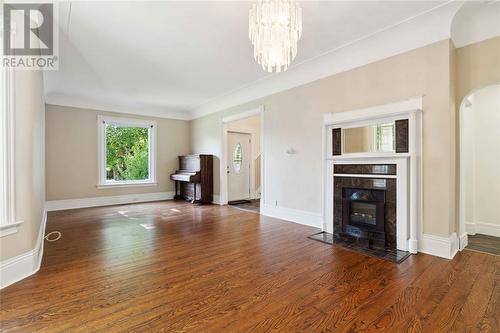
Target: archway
(479,164)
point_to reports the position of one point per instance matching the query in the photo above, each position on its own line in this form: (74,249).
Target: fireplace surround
(365,207)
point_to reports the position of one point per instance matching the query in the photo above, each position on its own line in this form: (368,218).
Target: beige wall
(482,156)
(477,65)
(29,163)
(71,153)
(294,118)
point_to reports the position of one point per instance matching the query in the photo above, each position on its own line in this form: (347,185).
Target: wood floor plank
(221,269)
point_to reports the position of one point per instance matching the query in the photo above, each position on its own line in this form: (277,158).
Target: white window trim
(101,141)
(8,223)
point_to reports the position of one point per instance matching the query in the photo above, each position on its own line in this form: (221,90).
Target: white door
(238,168)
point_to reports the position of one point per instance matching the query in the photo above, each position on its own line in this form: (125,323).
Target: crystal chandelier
(275,27)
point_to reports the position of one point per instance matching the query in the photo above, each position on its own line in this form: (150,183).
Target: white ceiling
(171,58)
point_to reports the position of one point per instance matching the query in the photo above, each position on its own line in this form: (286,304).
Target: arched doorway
(480,170)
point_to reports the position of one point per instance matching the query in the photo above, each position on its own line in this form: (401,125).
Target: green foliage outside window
(127,155)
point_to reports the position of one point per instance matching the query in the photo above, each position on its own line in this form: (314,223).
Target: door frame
(258,111)
(463,240)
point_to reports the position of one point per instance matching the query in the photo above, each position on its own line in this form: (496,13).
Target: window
(127,152)
(8,223)
(237,159)
(384,137)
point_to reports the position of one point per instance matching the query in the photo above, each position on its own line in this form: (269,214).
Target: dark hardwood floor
(220,269)
(484,243)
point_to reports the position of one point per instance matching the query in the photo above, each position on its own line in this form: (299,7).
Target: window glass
(237,158)
(385,138)
(127,153)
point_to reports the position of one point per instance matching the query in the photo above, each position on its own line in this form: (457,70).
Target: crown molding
(439,23)
(416,32)
(140,110)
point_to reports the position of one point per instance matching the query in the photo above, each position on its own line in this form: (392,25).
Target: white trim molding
(20,267)
(108,200)
(9,229)
(445,247)
(482,228)
(421,30)
(8,223)
(364,116)
(102,121)
(139,109)
(463,241)
(216,200)
(293,215)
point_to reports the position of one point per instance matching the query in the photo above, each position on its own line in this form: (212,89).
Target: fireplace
(364,203)
(363,214)
(397,173)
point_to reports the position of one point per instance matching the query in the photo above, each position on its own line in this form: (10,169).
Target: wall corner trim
(444,247)
(107,200)
(216,200)
(293,215)
(463,241)
(17,268)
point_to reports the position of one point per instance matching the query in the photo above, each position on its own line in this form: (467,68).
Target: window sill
(9,229)
(129,184)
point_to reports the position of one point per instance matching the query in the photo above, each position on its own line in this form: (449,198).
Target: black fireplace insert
(363,214)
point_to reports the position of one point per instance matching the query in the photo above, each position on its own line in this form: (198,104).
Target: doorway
(242,161)
(479,171)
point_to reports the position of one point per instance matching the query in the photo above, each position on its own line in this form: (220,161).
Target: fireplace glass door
(363,209)
(363,213)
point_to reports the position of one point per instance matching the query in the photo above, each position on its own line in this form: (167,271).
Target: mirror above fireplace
(370,139)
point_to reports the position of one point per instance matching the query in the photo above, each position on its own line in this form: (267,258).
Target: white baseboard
(26,264)
(255,196)
(445,247)
(216,200)
(107,201)
(293,215)
(482,228)
(412,245)
(470,227)
(463,241)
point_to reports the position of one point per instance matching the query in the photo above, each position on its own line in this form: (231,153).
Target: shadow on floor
(247,205)
(483,243)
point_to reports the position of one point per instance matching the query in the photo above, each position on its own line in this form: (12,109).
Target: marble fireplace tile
(359,245)
(387,184)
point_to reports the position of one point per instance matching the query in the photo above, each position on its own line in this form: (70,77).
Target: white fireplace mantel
(409,165)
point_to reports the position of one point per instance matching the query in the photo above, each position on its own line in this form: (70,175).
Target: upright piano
(194,179)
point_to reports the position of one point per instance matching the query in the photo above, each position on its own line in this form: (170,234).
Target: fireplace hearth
(364,210)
